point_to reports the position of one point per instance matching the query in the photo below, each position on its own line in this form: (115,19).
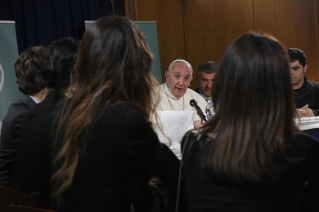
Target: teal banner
(8,54)
(149,28)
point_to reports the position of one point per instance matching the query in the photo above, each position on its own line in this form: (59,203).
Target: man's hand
(197,124)
(305,111)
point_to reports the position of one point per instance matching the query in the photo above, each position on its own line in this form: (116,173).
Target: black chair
(8,196)
(19,208)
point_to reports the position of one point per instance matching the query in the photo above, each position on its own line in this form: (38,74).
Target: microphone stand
(200,113)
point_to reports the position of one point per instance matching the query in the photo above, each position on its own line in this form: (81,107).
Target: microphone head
(193,102)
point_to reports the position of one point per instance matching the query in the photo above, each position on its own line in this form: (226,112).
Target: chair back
(20,208)
(8,195)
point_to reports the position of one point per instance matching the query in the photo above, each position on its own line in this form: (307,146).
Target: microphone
(200,113)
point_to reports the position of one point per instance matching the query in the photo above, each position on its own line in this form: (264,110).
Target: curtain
(39,22)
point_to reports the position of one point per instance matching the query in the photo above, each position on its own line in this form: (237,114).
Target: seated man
(175,94)
(205,79)
(32,84)
(306,92)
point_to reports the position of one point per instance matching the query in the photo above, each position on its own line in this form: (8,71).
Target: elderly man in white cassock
(175,94)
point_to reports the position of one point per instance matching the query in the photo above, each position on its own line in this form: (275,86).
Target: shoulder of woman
(191,136)
(304,137)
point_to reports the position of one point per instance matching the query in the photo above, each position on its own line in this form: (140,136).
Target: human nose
(181,80)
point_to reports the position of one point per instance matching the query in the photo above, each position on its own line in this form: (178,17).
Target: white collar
(35,100)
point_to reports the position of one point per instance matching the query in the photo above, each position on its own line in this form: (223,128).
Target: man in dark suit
(33,160)
(31,83)
(205,79)
(34,148)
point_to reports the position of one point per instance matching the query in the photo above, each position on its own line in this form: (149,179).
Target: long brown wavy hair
(113,67)
(254,109)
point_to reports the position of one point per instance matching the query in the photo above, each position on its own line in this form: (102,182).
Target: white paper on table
(307,123)
(174,124)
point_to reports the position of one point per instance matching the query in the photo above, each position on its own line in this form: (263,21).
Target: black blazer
(33,160)
(113,172)
(10,133)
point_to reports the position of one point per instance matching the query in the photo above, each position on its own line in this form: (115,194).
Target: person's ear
(190,80)
(166,74)
(305,68)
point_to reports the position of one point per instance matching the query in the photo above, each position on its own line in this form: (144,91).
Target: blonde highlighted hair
(113,67)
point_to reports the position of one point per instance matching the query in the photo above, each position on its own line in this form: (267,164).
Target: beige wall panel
(170,29)
(293,23)
(211,25)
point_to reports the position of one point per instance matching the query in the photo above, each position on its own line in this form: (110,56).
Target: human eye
(295,68)
(177,76)
(186,78)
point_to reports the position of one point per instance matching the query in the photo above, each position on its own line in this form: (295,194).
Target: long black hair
(254,111)
(114,67)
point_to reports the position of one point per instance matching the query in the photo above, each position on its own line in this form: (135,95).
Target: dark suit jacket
(33,160)
(308,93)
(10,134)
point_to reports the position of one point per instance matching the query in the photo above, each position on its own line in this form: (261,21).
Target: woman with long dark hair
(106,146)
(250,155)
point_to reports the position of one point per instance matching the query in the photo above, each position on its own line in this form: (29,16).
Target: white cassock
(169,102)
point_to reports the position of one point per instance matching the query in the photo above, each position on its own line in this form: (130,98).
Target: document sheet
(174,125)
